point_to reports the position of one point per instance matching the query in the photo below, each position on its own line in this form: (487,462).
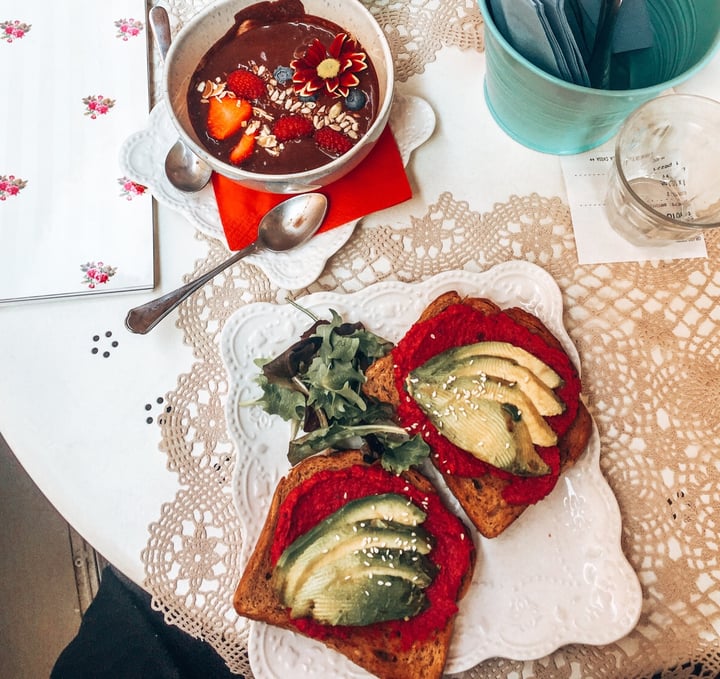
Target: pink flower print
(10,185)
(128,28)
(13,30)
(96,273)
(131,189)
(97,105)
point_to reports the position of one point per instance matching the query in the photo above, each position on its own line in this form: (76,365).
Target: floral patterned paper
(97,105)
(128,28)
(10,186)
(97,273)
(60,188)
(13,30)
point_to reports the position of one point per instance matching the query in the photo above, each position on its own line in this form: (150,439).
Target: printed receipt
(586,181)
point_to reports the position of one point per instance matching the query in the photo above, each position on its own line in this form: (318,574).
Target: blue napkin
(557,15)
(519,22)
(558,35)
(633,30)
(540,31)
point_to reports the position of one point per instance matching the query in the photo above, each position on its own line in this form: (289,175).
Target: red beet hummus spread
(325,492)
(458,325)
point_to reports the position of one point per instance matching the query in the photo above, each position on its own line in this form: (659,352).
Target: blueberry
(309,97)
(355,99)
(283,74)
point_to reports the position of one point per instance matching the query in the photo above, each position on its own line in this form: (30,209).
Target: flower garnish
(331,68)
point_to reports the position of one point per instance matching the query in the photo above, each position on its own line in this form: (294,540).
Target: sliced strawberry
(292,127)
(242,149)
(245,84)
(333,141)
(226,116)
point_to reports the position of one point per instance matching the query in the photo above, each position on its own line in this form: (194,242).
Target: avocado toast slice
(297,552)
(491,498)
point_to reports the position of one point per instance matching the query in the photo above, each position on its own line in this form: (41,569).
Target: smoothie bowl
(283,96)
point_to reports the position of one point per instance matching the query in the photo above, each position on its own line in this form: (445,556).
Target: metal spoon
(183,168)
(287,225)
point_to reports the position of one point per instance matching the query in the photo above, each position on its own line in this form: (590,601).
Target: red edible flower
(331,68)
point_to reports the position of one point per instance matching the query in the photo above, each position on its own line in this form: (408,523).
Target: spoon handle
(160,24)
(144,318)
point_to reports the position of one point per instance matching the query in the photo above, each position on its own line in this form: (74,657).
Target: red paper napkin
(378,182)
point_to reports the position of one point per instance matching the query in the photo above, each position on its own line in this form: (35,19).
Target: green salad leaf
(316,384)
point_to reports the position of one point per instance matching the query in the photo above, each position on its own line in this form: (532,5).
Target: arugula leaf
(333,375)
(277,400)
(316,384)
(399,456)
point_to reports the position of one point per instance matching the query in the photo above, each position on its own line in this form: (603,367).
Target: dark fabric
(122,637)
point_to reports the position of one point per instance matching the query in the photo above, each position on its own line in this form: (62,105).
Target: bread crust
(254,597)
(482,497)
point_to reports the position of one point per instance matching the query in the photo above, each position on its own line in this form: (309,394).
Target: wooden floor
(48,576)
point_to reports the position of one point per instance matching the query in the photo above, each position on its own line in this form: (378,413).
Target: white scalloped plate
(556,576)
(142,156)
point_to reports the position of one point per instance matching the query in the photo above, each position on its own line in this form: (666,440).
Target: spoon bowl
(288,225)
(184,170)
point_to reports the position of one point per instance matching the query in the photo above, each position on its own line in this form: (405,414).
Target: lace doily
(648,337)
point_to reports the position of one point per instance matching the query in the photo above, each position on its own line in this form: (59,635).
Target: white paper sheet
(586,180)
(75,86)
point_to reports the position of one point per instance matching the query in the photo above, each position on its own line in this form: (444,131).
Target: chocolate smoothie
(292,91)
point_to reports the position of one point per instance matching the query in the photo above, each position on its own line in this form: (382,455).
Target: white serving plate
(556,576)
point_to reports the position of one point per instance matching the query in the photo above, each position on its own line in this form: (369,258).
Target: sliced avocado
(387,506)
(367,562)
(377,567)
(492,431)
(303,557)
(359,600)
(501,369)
(440,401)
(540,431)
(505,350)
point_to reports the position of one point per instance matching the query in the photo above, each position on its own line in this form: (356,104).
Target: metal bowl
(207,27)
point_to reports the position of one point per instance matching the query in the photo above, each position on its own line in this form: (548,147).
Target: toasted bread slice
(385,656)
(482,497)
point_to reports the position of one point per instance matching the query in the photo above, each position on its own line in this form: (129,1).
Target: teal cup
(551,115)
